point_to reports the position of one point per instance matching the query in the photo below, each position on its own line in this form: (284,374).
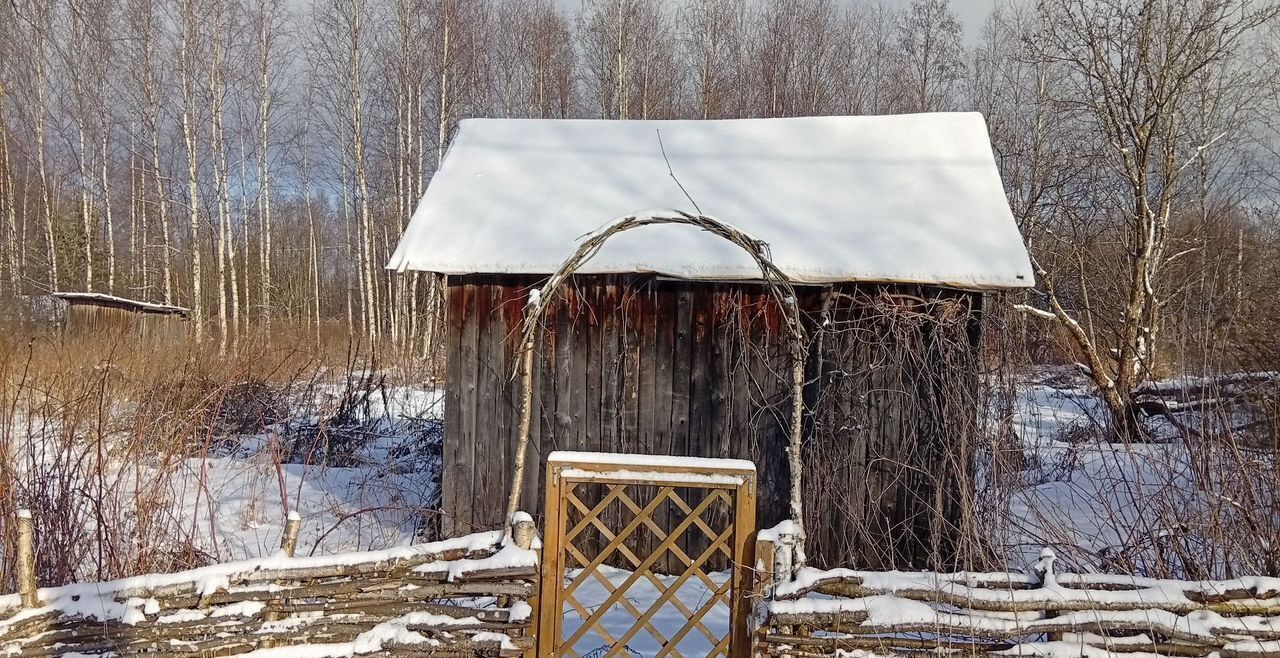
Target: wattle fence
(843,612)
(475,596)
(461,597)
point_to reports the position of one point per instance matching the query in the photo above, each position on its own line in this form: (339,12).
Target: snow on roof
(112,300)
(909,198)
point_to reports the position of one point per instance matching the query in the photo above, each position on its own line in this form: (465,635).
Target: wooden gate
(646,556)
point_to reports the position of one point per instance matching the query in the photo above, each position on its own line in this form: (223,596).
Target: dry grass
(92,431)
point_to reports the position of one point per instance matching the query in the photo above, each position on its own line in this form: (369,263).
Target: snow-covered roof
(121,302)
(908,198)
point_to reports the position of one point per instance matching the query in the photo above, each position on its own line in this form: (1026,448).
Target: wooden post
(288,546)
(523,530)
(289,540)
(762,590)
(27,585)
(765,556)
(1044,569)
(744,543)
(551,580)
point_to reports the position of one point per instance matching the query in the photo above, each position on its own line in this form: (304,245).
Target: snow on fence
(841,611)
(461,597)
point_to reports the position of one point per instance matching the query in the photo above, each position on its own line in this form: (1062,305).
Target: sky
(973,13)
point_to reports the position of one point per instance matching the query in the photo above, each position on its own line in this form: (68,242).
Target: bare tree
(929,40)
(628,49)
(795,46)
(713,38)
(1130,72)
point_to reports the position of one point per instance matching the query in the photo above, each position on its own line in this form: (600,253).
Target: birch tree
(188,71)
(143,20)
(627,48)
(270,16)
(1129,71)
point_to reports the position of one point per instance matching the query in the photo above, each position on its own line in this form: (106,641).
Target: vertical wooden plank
(681,369)
(700,377)
(721,374)
(462,464)
(565,367)
(551,377)
(596,319)
(452,464)
(649,326)
(506,346)
(612,317)
(585,388)
(634,313)
(488,450)
(681,380)
(551,614)
(664,332)
(581,367)
(700,383)
(767,413)
(738,432)
(650,384)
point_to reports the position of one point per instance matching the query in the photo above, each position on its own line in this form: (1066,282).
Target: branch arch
(775,280)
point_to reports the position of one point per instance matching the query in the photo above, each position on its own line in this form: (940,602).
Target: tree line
(256,160)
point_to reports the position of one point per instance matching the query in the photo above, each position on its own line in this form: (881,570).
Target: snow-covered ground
(1166,507)
(237,502)
(357,459)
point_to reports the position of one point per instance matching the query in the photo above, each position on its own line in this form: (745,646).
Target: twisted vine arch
(778,284)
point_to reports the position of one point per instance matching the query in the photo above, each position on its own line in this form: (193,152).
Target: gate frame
(649,470)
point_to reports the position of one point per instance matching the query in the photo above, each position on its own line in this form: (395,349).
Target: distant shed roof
(100,299)
(909,198)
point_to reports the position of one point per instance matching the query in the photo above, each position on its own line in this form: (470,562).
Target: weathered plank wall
(894,405)
(96,320)
(631,363)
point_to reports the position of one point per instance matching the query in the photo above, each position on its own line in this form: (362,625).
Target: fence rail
(826,613)
(461,597)
(474,596)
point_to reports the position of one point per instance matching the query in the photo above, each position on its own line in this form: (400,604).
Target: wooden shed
(892,229)
(91,313)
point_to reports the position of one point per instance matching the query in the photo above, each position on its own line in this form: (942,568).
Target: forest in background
(257,160)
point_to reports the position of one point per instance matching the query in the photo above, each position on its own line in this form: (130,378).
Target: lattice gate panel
(646,556)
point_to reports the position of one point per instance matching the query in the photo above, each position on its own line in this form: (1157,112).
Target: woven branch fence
(461,597)
(471,596)
(846,612)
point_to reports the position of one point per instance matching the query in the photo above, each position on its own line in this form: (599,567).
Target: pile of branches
(1236,404)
